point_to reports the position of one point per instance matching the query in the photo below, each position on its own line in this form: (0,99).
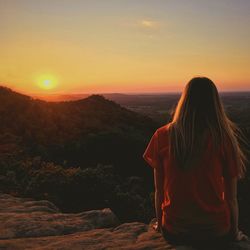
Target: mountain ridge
(61,122)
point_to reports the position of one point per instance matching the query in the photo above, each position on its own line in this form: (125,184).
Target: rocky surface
(28,224)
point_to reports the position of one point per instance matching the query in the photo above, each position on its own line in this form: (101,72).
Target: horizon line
(115,92)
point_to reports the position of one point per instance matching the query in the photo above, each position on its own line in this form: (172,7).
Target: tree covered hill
(87,131)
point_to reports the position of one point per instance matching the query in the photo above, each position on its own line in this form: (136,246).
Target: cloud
(148,24)
(145,25)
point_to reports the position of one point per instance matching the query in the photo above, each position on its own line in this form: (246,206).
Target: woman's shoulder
(163,130)
(162,136)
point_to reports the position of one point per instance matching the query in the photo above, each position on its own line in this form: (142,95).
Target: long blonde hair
(200,112)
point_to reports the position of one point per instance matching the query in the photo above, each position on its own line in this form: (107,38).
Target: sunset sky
(97,46)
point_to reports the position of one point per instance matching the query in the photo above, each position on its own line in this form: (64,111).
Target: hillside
(60,131)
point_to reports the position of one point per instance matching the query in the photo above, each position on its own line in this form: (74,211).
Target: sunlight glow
(123,46)
(47,82)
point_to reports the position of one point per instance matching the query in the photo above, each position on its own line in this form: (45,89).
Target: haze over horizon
(115,46)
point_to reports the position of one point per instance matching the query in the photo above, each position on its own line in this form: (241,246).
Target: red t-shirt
(193,199)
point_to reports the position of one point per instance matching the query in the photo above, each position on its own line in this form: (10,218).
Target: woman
(197,160)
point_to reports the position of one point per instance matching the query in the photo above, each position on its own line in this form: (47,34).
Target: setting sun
(47,82)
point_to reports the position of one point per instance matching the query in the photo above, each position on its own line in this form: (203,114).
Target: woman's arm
(158,180)
(231,199)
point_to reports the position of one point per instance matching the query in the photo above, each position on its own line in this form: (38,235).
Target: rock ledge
(29,224)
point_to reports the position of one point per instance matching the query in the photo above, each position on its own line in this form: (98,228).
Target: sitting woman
(197,160)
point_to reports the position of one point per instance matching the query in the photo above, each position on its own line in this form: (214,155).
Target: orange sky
(91,46)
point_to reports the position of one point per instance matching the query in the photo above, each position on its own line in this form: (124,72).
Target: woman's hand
(239,236)
(157,227)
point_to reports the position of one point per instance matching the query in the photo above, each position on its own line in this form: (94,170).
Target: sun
(47,82)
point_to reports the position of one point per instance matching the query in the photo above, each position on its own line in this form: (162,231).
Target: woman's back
(193,200)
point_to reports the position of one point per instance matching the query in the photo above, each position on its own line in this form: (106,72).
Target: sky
(127,46)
